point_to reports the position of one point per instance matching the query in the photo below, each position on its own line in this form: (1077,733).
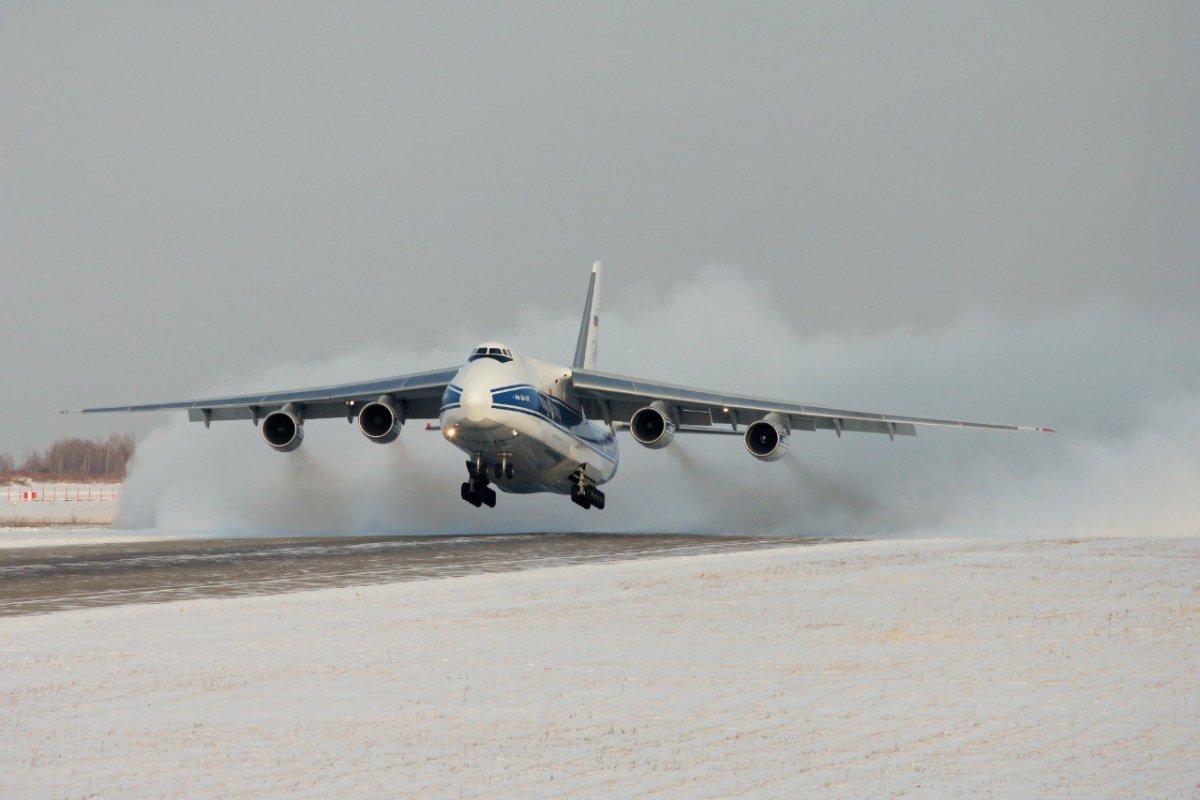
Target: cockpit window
(501,354)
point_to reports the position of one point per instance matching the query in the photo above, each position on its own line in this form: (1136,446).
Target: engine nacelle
(379,421)
(653,426)
(767,439)
(283,429)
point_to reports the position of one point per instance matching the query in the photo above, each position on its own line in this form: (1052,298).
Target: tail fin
(589,328)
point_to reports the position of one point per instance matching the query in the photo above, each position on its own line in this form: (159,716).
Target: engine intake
(653,426)
(767,439)
(283,429)
(379,421)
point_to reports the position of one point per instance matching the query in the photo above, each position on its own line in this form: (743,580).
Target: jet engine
(283,429)
(767,439)
(379,421)
(653,426)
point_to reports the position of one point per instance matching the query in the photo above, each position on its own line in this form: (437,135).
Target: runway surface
(56,578)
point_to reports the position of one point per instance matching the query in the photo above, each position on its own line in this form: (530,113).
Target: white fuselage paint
(520,410)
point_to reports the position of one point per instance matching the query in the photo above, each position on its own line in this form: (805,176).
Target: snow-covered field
(890,668)
(59,504)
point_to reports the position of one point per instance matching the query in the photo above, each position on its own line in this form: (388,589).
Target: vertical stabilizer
(589,328)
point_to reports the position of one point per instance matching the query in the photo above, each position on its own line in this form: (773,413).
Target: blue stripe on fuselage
(602,446)
(451,397)
(526,396)
(526,399)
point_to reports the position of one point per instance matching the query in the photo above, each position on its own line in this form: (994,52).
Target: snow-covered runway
(54,570)
(937,667)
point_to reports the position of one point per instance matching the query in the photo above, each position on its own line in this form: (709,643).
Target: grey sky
(197,191)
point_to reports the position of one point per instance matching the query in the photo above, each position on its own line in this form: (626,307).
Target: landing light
(514,433)
(450,433)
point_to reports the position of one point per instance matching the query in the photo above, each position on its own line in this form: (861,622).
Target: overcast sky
(192,193)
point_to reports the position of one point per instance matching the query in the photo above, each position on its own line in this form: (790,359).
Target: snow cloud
(1121,391)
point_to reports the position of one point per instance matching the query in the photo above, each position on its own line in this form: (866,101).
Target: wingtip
(597,266)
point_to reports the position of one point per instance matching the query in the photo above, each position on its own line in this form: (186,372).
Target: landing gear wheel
(508,470)
(587,496)
(499,470)
(580,497)
(476,490)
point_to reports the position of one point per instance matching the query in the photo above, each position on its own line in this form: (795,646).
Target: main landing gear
(585,494)
(476,490)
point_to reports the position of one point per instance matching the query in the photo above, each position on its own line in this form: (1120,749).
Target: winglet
(589,326)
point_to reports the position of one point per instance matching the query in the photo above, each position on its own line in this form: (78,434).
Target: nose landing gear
(504,467)
(478,494)
(476,490)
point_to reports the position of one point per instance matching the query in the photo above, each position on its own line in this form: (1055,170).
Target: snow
(24,537)
(93,504)
(991,668)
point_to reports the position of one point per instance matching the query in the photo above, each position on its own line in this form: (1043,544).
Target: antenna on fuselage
(589,327)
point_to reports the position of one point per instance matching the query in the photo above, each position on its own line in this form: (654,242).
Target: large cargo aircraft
(533,426)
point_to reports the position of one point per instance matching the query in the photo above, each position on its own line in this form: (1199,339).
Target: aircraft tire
(508,470)
(489,497)
(580,498)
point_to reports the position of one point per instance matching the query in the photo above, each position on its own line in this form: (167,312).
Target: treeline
(73,459)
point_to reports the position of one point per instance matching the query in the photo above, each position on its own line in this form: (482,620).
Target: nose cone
(477,379)
(476,401)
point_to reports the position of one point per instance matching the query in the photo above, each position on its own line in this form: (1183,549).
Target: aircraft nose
(476,401)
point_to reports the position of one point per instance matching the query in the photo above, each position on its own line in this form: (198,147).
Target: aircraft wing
(419,392)
(616,397)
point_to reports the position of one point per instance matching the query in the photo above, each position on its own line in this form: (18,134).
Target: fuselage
(505,408)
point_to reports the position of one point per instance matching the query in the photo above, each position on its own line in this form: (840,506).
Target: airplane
(529,426)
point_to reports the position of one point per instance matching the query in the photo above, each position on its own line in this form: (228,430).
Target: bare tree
(79,458)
